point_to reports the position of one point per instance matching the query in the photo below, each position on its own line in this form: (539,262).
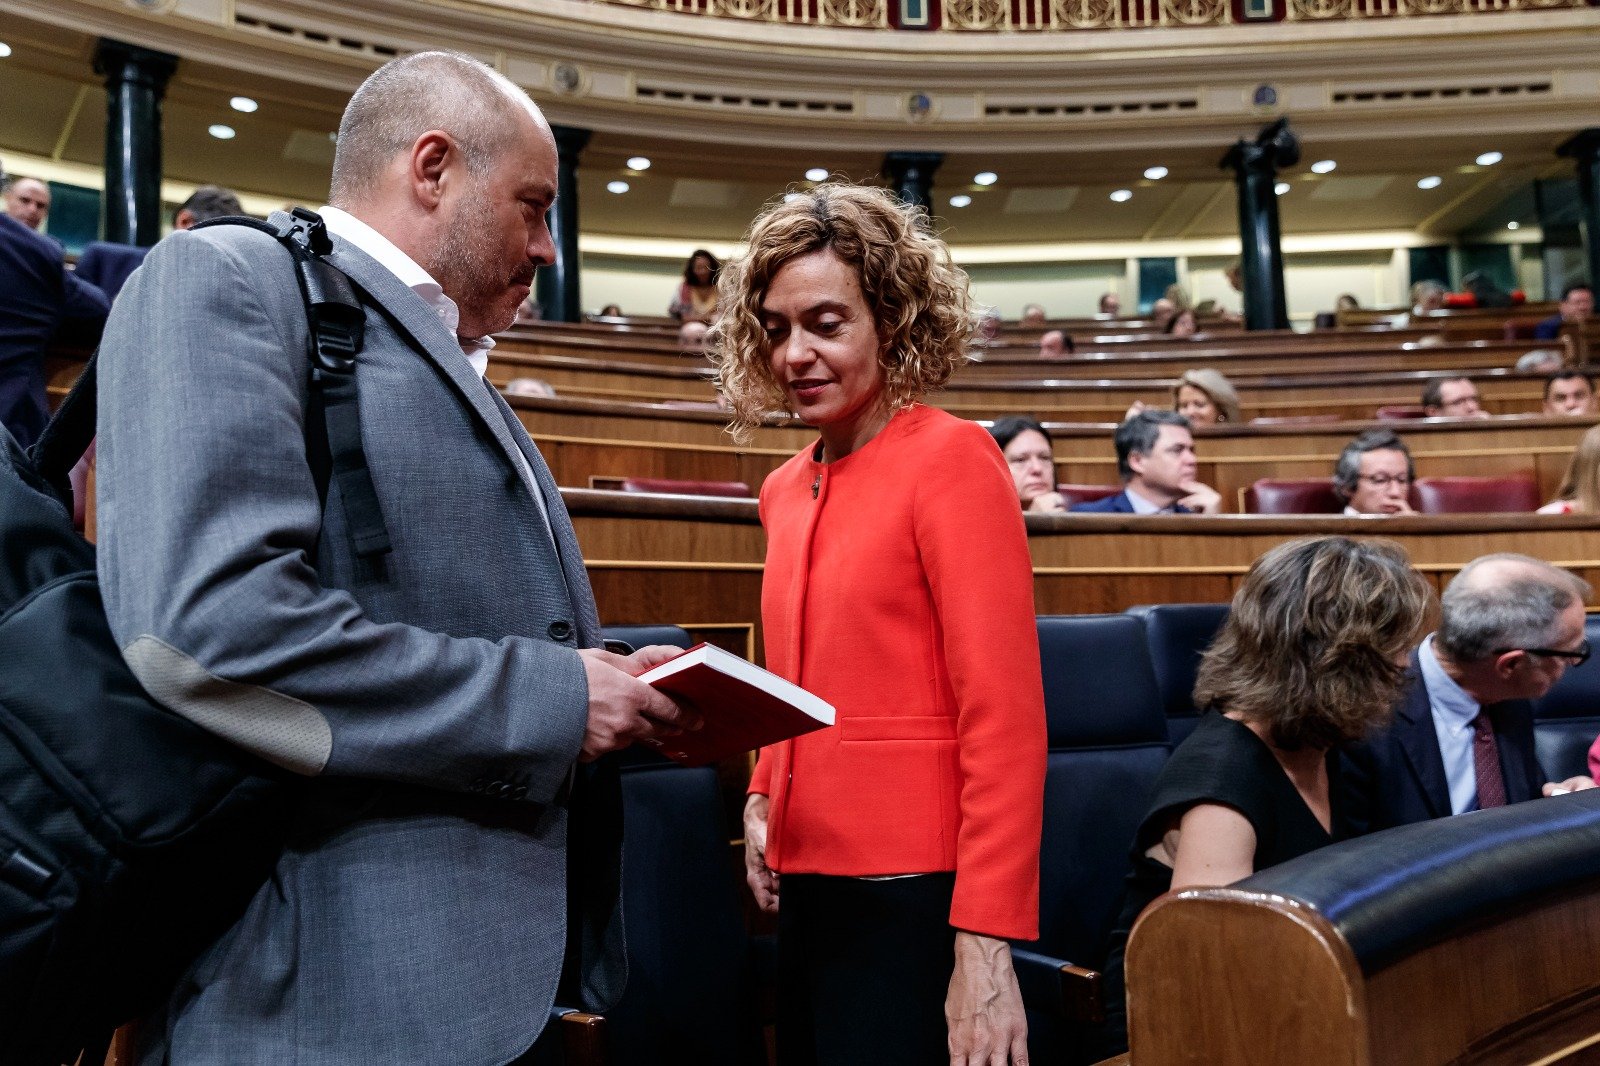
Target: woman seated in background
(1027,449)
(1182,325)
(1313,655)
(1580,489)
(696,300)
(1205,397)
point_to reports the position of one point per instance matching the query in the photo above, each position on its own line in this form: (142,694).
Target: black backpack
(130,838)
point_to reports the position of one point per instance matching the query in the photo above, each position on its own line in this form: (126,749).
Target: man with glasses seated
(1452,398)
(1462,734)
(1374,473)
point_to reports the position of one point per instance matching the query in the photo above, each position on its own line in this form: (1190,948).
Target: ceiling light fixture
(988,177)
(618,187)
(817,174)
(5,49)
(1281,188)
(1323,166)
(1489,159)
(1156,173)
(1432,181)
(1513,225)
(638,162)
(243,104)
(1121,196)
(221,132)
(960,200)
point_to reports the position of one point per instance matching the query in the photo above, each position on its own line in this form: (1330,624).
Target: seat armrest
(1057,987)
(582,1036)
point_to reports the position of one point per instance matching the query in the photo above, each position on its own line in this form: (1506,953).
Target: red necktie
(1486,764)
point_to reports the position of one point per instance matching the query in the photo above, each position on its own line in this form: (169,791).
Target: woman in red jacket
(898,587)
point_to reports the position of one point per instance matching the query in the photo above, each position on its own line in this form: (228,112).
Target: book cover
(744,707)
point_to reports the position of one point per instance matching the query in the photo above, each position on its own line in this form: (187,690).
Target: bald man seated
(1462,734)
(28,201)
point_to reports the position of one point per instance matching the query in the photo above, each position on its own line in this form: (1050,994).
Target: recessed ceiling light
(221,132)
(5,49)
(1489,159)
(817,174)
(244,104)
(988,177)
(1155,173)
(1513,225)
(1122,196)
(638,162)
(1323,166)
(618,187)
(1281,188)
(960,200)
(1432,181)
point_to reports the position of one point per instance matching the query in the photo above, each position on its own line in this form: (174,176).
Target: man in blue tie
(1462,735)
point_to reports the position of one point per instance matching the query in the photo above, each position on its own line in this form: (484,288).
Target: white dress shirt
(1141,505)
(348,227)
(1453,711)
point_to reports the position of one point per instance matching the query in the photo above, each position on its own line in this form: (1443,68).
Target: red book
(744,707)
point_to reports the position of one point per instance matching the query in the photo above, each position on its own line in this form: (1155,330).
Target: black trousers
(863,970)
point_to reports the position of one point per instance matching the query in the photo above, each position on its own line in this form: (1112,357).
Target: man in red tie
(1462,735)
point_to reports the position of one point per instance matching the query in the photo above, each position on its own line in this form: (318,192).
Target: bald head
(408,97)
(1505,601)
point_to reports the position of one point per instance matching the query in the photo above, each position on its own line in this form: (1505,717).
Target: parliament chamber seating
(1107,743)
(1301,495)
(1399,412)
(736,489)
(1476,495)
(1175,636)
(1567,718)
(1469,940)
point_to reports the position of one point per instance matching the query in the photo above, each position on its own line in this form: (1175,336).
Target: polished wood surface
(1230,976)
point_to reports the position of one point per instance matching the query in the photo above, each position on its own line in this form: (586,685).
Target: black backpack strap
(337,323)
(68,435)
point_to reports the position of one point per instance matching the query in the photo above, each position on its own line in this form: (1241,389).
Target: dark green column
(557,284)
(136,80)
(911,174)
(1255,170)
(1584,149)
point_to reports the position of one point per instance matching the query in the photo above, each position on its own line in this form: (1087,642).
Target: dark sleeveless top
(1222,761)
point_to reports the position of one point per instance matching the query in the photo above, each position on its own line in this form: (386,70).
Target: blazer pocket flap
(898,727)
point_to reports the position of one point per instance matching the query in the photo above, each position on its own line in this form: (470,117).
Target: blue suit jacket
(1396,776)
(1118,504)
(1548,329)
(41,296)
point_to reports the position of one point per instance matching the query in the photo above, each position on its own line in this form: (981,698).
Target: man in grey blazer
(441,699)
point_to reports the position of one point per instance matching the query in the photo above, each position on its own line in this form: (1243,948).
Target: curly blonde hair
(917,295)
(1312,644)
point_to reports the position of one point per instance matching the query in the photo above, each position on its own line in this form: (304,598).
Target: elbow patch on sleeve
(281,729)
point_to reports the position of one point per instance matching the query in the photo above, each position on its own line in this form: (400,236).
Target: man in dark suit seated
(1462,735)
(1577,304)
(41,296)
(1155,456)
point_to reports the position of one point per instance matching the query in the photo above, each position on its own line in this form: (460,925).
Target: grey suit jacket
(413,917)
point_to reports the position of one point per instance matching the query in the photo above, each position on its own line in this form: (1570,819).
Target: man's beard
(465,264)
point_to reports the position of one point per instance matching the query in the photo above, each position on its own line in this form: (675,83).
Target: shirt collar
(348,227)
(1143,506)
(1452,705)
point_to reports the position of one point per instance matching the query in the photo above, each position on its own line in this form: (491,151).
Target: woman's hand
(763,881)
(988,1026)
(1047,503)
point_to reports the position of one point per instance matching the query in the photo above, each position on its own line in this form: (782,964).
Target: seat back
(1107,744)
(689,998)
(686,488)
(1301,495)
(1396,412)
(1176,634)
(1076,494)
(1473,495)
(1566,720)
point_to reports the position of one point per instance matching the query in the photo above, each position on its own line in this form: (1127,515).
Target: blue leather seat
(1566,719)
(1176,635)
(1107,744)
